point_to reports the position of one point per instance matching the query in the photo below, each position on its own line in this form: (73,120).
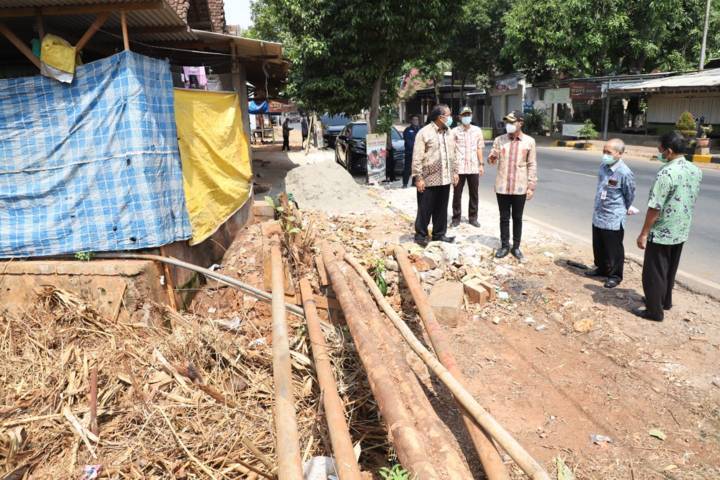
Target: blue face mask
(608,159)
(662,158)
(448,122)
(466,120)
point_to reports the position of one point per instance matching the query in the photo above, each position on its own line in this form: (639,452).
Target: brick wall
(217,15)
(201,14)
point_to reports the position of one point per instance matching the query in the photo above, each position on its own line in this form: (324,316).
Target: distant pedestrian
(667,224)
(409,139)
(469,155)
(613,198)
(434,168)
(515,156)
(304,129)
(286,134)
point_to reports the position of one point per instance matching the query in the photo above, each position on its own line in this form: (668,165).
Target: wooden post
(40,24)
(19,45)
(123,24)
(169,282)
(287,446)
(93,28)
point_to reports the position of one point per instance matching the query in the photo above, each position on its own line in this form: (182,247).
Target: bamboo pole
(287,445)
(406,439)
(345,463)
(524,460)
(123,25)
(489,457)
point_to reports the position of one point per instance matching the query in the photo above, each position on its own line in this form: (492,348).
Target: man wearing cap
(469,157)
(516,160)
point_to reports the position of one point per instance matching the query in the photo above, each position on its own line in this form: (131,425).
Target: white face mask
(510,128)
(466,120)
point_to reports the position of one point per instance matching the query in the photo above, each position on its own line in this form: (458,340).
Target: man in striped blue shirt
(613,199)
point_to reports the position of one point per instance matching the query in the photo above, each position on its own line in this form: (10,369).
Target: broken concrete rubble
(447,299)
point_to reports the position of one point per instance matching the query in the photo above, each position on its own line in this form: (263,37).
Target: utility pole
(705,33)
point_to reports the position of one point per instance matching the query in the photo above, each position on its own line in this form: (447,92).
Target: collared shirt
(516,164)
(674,193)
(409,137)
(434,155)
(615,194)
(467,143)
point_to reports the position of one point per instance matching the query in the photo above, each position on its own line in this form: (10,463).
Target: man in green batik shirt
(667,224)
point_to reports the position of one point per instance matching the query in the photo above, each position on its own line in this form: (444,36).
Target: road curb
(687,280)
(697,158)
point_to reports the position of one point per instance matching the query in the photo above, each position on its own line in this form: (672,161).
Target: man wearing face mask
(613,200)
(469,154)
(434,168)
(516,160)
(409,138)
(667,224)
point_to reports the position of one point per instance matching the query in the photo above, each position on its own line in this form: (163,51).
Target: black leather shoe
(502,252)
(642,313)
(422,241)
(445,239)
(594,273)
(474,223)
(517,253)
(611,283)
(455,223)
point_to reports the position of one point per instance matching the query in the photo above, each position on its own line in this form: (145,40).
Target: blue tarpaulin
(254,108)
(91,166)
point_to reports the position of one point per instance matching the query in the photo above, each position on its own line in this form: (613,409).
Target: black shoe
(455,223)
(474,223)
(517,253)
(502,252)
(422,241)
(594,273)
(642,313)
(611,283)
(445,239)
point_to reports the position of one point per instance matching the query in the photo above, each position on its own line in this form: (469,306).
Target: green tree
(345,54)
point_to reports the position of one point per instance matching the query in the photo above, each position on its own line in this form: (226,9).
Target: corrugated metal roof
(245,46)
(57,3)
(696,80)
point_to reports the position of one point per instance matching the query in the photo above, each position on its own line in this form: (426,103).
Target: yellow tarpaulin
(215,160)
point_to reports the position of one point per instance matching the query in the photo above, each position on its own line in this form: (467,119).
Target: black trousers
(473,181)
(433,205)
(390,166)
(609,252)
(658,276)
(286,143)
(511,205)
(407,169)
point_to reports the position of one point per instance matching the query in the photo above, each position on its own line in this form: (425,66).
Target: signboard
(571,129)
(557,95)
(506,84)
(276,106)
(585,91)
(376,148)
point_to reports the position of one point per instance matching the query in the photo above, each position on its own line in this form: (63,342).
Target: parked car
(350,151)
(332,125)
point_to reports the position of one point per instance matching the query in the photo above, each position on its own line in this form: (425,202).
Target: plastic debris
(598,439)
(503,296)
(233,324)
(320,468)
(549,254)
(540,328)
(657,433)
(91,472)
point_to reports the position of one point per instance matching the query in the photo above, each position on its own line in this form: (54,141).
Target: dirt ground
(562,363)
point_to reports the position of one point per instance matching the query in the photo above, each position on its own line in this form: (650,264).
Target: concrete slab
(447,300)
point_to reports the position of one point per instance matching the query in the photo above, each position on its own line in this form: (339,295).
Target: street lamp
(705,33)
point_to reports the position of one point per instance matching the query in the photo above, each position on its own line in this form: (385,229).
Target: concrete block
(447,300)
(263,211)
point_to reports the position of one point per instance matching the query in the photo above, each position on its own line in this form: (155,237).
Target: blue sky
(237,12)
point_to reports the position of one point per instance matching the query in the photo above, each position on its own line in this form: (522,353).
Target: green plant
(84,256)
(536,121)
(588,131)
(397,472)
(378,274)
(385,120)
(686,124)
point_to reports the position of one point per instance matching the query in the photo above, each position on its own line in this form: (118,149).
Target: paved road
(566,190)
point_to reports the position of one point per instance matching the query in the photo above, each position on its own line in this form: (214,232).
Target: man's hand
(481,170)
(642,241)
(530,194)
(492,159)
(456,179)
(420,184)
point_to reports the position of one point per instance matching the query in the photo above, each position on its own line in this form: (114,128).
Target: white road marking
(575,173)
